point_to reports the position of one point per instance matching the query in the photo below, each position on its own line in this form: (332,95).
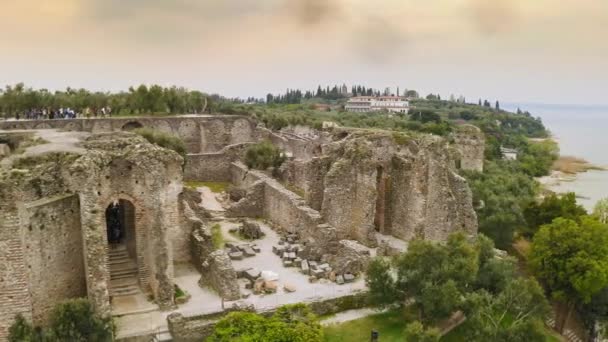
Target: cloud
(494,16)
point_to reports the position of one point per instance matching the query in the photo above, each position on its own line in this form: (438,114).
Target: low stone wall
(200,133)
(281,206)
(198,328)
(213,167)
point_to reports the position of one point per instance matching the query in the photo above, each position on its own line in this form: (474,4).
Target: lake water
(582,131)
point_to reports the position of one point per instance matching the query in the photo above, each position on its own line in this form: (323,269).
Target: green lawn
(390,325)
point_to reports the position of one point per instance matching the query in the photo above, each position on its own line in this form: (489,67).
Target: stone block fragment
(252,274)
(240,273)
(258,286)
(289,287)
(349,278)
(271,286)
(339,280)
(249,252)
(236,255)
(318,273)
(287,263)
(304,267)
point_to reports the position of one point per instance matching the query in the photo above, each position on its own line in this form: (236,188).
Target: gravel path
(56,141)
(350,315)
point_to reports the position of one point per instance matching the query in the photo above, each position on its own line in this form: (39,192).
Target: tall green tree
(600,211)
(515,314)
(571,258)
(551,207)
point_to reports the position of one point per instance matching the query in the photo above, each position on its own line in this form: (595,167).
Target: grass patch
(178,292)
(390,326)
(216,236)
(459,335)
(572,165)
(215,187)
(163,139)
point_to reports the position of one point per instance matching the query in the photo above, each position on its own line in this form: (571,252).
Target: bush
(415,332)
(263,155)
(163,139)
(289,323)
(72,320)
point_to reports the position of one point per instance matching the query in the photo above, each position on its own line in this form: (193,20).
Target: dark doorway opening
(122,254)
(120,224)
(379,219)
(131,125)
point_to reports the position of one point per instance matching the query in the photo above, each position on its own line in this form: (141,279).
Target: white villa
(395,104)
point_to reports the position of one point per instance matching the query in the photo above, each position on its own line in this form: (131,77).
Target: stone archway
(131,125)
(122,248)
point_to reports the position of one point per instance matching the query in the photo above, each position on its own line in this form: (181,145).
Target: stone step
(120,261)
(126,291)
(122,276)
(123,283)
(164,336)
(114,258)
(123,268)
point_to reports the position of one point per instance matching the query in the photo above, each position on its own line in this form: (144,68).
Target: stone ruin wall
(368,184)
(14,293)
(286,209)
(470,143)
(53,253)
(214,166)
(201,134)
(53,242)
(151,180)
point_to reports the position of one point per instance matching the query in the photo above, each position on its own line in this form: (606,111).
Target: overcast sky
(551,51)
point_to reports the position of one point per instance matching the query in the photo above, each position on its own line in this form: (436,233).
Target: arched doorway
(122,251)
(131,125)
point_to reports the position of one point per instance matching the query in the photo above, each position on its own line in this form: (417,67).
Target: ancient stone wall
(281,206)
(470,142)
(369,182)
(308,176)
(213,167)
(14,293)
(53,252)
(201,133)
(124,167)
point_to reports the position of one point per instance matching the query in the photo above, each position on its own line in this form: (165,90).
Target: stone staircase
(123,272)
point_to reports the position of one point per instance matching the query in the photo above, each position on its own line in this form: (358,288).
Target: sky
(544,51)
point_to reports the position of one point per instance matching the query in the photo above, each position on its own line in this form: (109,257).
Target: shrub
(75,320)
(163,139)
(72,320)
(263,155)
(289,323)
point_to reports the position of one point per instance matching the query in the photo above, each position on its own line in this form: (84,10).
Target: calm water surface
(581,131)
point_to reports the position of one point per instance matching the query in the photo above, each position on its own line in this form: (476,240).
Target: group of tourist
(63,113)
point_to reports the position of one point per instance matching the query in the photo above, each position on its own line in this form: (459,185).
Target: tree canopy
(571,258)
(551,207)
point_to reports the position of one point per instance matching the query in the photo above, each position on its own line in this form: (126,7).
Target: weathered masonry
(201,133)
(88,225)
